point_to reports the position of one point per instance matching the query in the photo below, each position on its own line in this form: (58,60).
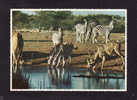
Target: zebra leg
(94,38)
(69,59)
(53,62)
(64,62)
(76,37)
(82,38)
(49,60)
(87,36)
(107,37)
(79,37)
(58,62)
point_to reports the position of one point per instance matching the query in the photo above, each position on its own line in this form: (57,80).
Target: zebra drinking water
(60,52)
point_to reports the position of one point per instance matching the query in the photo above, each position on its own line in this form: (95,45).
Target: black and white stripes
(102,30)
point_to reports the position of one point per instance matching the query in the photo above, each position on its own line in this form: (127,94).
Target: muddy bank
(37,47)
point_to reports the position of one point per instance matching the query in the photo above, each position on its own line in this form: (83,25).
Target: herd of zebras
(87,30)
(61,52)
(84,32)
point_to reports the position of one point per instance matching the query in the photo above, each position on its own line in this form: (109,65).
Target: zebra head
(114,20)
(85,20)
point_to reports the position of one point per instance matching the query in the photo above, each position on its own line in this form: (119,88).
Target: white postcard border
(110,90)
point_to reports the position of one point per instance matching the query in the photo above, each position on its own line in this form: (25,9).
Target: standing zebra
(81,31)
(102,30)
(90,26)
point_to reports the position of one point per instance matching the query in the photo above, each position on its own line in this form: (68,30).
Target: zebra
(67,52)
(102,30)
(80,31)
(54,55)
(57,37)
(60,52)
(90,26)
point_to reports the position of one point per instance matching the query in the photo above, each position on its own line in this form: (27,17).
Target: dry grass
(37,47)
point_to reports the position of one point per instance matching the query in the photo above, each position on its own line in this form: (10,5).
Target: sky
(120,13)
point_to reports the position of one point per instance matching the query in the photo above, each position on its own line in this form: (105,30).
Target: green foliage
(119,26)
(53,19)
(19,19)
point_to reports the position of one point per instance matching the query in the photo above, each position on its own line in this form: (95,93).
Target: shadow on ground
(81,54)
(33,55)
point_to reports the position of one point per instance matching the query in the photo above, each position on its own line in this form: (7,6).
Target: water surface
(63,78)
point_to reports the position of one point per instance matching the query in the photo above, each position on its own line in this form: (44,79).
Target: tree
(65,19)
(53,18)
(20,19)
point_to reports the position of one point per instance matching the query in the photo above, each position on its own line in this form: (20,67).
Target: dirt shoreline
(35,53)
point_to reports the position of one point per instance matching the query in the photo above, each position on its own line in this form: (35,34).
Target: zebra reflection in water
(59,78)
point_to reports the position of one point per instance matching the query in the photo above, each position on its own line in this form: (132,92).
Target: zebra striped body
(102,30)
(60,52)
(90,26)
(81,31)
